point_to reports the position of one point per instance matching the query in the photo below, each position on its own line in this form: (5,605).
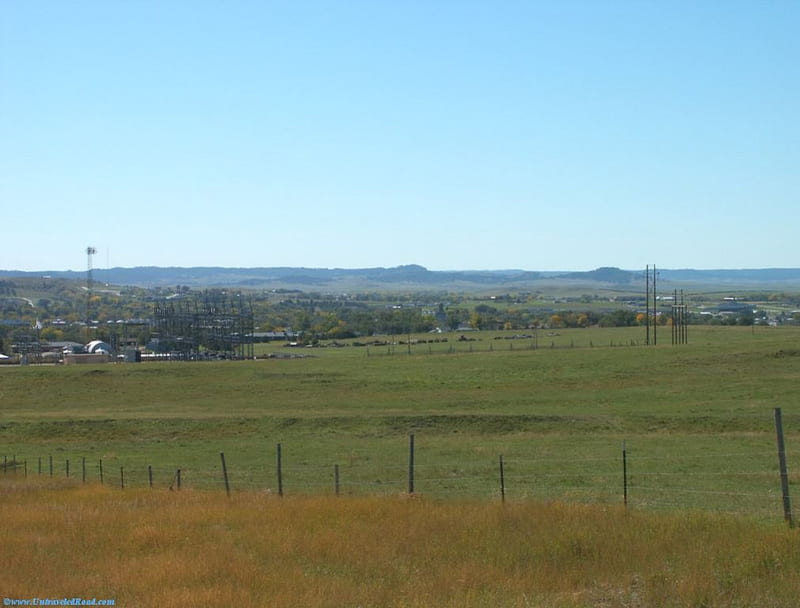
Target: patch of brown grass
(160,548)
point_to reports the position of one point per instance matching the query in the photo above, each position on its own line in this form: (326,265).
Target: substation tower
(211,326)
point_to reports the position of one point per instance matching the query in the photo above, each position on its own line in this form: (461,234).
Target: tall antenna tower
(651,314)
(90,251)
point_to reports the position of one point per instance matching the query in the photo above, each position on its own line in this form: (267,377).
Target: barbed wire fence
(747,483)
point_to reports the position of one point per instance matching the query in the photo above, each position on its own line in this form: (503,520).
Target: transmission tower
(90,251)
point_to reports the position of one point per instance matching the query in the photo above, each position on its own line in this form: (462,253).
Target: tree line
(57,310)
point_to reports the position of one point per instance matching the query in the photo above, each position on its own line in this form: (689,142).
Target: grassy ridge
(159,548)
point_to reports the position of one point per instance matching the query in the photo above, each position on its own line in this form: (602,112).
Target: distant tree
(476,321)
(455,317)
(52,334)
(618,318)
(302,321)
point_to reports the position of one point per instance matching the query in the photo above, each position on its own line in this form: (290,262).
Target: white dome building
(98,347)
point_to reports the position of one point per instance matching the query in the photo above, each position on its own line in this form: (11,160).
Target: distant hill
(764,275)
(288,277)
(603,275)
(419,277)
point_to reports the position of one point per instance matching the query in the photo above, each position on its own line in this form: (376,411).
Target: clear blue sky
(452,134)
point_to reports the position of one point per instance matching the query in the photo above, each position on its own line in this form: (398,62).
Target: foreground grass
(160,548)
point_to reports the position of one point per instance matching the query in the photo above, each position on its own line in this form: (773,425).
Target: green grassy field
(697,419)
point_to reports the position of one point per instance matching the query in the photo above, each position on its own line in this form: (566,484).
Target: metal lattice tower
(90,251)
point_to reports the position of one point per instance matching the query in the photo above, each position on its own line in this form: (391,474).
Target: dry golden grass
(193,548)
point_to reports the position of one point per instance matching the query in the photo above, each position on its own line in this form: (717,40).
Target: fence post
(51,465)
(5,464)
(83,469)
(279,466)
(336,479)
(411,463)
(101,471)
(67,467)
(176,481)
(121,478)
(787,503)
(624,474)
(150,475)
(502,481)
(40,465)
(225,473)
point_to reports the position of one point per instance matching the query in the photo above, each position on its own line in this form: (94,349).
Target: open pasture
(697,419)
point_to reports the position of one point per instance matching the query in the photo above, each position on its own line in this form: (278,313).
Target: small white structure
(98,347)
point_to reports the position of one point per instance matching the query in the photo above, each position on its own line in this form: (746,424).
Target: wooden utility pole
(787,503)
